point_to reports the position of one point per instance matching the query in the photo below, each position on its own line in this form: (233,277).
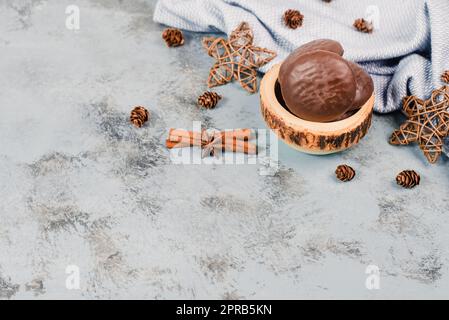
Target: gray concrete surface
(80,186)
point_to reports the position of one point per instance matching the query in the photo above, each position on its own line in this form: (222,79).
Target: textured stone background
(80,186)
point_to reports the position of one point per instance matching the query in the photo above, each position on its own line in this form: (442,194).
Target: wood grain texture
(311,137)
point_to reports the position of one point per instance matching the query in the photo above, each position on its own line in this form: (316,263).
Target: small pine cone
(173,37)
(345,173)
(363,26)
(445,76)
(139,115)
(209,99)
(408,179)
(293,18)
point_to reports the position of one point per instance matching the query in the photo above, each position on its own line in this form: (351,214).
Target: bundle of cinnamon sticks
(234,141)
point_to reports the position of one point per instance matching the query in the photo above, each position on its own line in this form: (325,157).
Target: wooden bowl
(307,136)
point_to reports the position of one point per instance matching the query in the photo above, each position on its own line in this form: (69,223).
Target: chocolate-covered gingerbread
(320,44)
(318,84)
(365,86)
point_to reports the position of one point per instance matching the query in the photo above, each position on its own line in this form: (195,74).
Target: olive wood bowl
(311,137)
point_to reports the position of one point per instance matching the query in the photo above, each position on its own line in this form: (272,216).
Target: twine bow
(211,143)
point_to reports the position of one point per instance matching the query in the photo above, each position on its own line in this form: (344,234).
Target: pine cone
(173,37)
(345,173)
(139,115)
(363,26)
(445,76)
(293,18)
(209,99)
(408,179)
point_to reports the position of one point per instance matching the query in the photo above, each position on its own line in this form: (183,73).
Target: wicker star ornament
(236,58)
(427,123)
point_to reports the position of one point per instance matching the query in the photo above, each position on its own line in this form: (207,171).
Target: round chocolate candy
(320,44)
(317,86)
(364,86)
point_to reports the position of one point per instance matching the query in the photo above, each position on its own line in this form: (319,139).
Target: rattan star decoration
(236,58)
(427,123)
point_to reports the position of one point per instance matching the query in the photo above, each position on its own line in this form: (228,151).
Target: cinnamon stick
(240,134)
(240,146)
(234,146)
(187,141)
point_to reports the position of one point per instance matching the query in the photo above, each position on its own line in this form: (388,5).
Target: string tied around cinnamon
(211,143)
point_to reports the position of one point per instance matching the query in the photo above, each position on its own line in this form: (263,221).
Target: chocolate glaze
(320,44)
(279,97)
(317,85)
(278,93)
(347,114)
(365,86)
